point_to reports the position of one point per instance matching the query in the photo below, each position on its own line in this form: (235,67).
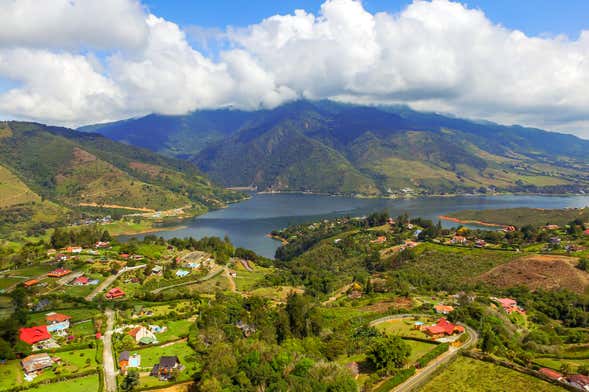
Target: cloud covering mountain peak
(434,55)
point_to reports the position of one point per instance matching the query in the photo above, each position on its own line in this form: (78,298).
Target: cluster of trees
(84,236)
(283,351)
(221,249)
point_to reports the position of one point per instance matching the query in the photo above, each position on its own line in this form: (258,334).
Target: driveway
(108,363)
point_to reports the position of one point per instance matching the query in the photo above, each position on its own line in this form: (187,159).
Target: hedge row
(400,377)
(430,356)
(51,381)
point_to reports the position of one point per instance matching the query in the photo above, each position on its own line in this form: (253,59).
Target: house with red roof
(579,381)
(509,305)
(81,281)
(59,273)
(443,328)
(115,293)
(552,374)
(34,334)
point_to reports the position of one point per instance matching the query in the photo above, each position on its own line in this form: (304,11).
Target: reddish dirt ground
(547,272)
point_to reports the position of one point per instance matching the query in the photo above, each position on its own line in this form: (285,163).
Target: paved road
(214,272)
(423,375)
(108,281)
(110,372)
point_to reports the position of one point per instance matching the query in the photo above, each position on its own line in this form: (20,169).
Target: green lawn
(418,350)
(175,330)
(248,280)
(73,362)
(151,356)
(82,384)
(404,327)
(7,282)
(466,374)
(77,314)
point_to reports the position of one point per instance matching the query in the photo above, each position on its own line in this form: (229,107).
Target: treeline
(85,236)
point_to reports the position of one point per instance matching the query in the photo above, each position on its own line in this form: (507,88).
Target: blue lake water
(248,222)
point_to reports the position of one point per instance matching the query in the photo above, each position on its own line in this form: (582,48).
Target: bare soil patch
(548,272)
(383,306)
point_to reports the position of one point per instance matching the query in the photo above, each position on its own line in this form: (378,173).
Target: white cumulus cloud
(434,55)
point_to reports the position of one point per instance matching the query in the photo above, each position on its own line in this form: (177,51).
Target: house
(30,283)
(443,328)
(167,368)
(57,321)
(36,362)
(552,374)
(60,257)
(458,239)
(509,305)
(102,245)
(115,293)
(124,360)
(73,249)
(586,232)
(551,227)
(34,334)
(193,265)
(579,381)
(157,270)
(182,273)
(508,229)
(443,309)
(59,273)
(480,243)
(81,281)
(142,335)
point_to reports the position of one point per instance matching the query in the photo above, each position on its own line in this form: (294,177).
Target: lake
(247,223)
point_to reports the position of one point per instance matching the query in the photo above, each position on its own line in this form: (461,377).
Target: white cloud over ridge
(434,55)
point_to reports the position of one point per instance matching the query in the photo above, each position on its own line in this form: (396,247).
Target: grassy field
(418,350)
(77,314)
(466,374)
(247,280)
(450,268)
(151,356)
(176,330)
(14,191)
(82,384)
(403,327)
(11,374)
(524,216)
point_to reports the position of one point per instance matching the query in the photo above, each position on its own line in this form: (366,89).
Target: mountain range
(46,172)
(329,147)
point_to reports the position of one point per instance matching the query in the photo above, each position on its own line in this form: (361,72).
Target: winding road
(108,363)
(423,375)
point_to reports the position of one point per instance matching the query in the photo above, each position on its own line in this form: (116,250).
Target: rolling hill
(55,169)
(339,148)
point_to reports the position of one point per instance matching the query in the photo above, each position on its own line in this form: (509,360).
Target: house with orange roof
(443,309)
(59,273)
(31,282)
(57,322)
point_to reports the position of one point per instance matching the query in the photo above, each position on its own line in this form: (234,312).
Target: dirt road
(110,372)
(214,272)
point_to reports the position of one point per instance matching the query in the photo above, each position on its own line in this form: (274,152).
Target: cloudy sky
(75,62)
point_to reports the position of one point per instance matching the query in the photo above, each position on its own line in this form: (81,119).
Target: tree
(388,352)
(131,380)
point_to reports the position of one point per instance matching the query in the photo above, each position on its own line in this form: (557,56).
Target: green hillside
(348,149)
(75,171)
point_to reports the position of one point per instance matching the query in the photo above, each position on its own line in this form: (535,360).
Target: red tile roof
(115,293)
(553,374)
(56,317)
(82,280)
(34,334)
